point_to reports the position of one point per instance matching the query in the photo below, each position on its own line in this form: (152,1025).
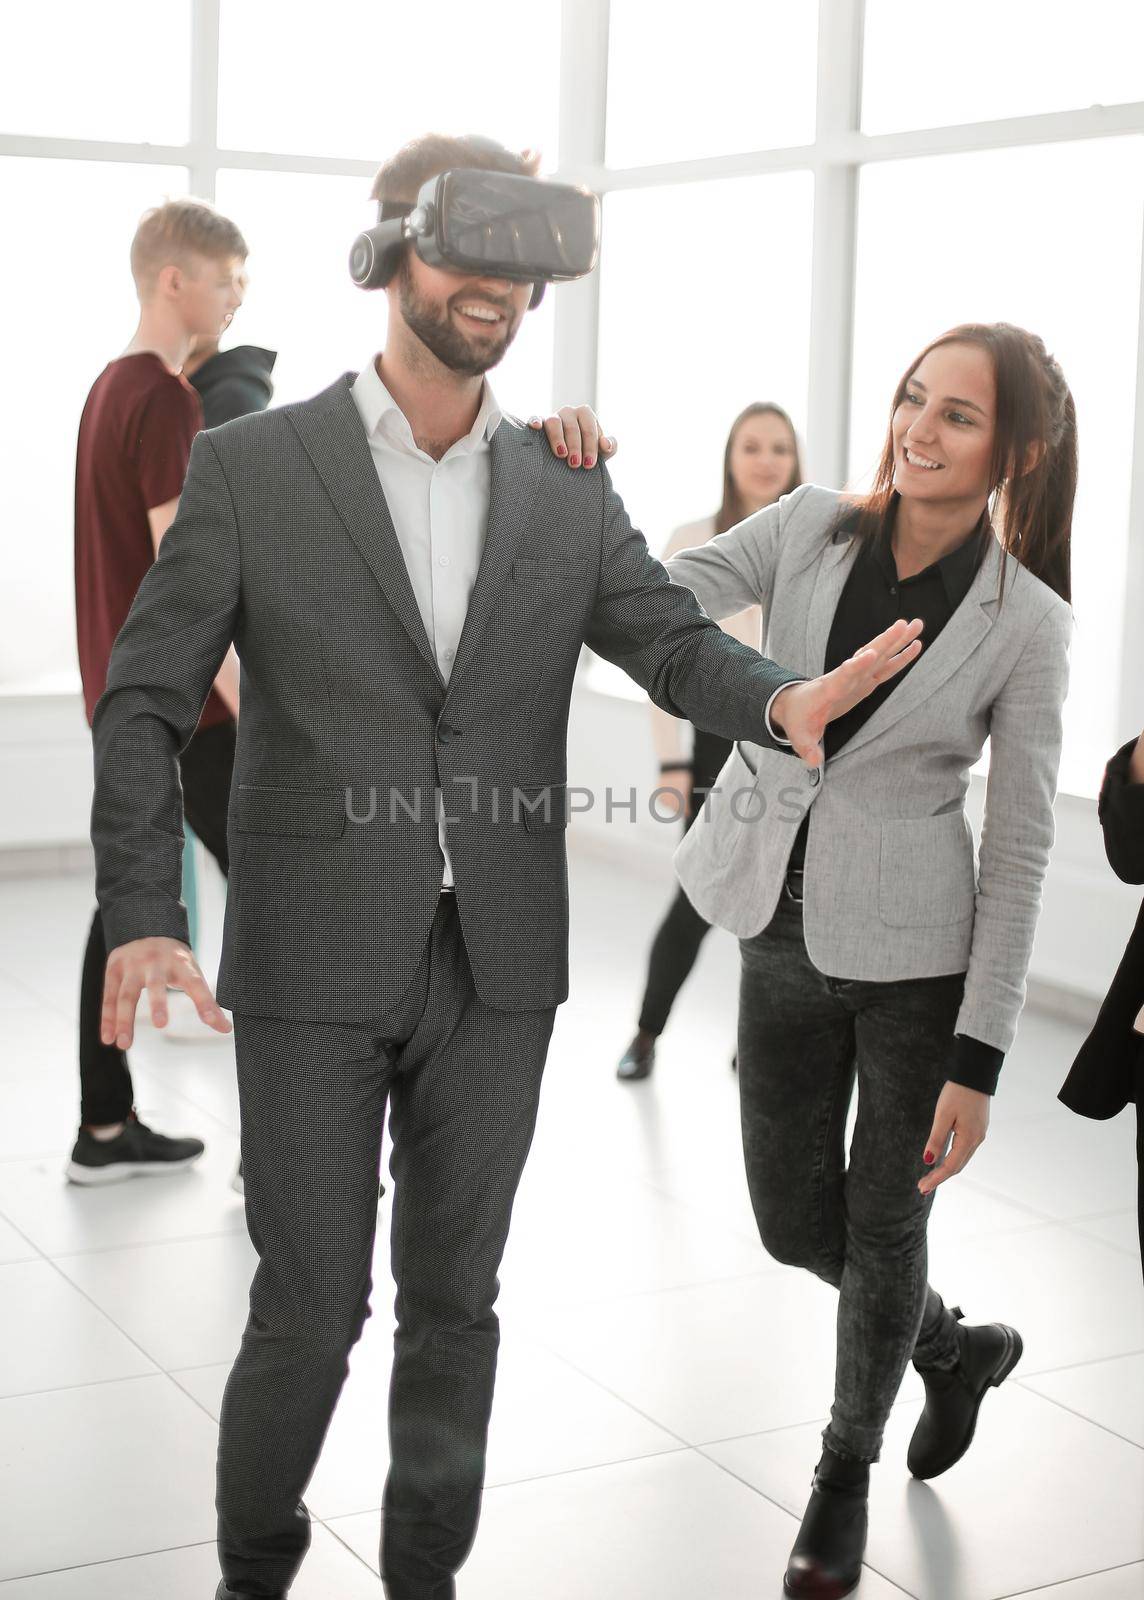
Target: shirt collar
(956,570)
(380,412)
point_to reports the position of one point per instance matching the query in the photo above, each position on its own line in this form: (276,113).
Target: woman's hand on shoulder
(964,1114)
(574,434)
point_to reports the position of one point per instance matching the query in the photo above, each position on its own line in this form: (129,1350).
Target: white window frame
(836,157)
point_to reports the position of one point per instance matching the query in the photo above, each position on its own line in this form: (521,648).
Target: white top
(440,511)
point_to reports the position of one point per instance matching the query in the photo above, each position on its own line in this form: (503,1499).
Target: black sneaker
(137,1152)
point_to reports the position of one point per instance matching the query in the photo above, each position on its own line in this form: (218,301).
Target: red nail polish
(589,461)
(929,1158)
(561,450)
(573,461)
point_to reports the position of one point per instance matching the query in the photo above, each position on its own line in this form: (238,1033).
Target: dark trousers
(205,768)
(804,1039)
(462,1083)
(676,944)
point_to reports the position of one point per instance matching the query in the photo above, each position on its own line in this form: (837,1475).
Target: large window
(709,82)
(983,237)
(797,197)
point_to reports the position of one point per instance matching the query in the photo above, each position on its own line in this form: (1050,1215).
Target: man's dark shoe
(638,1059)
(137,1152)
(826,1561)
(988,1354)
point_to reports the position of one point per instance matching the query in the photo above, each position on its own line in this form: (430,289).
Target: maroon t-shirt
(134,445)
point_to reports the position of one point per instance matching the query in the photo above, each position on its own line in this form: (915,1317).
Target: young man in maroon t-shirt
(134,444)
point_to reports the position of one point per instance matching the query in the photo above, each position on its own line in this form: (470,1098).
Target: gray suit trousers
(462,1082)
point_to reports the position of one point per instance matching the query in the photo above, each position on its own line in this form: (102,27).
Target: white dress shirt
(440,510)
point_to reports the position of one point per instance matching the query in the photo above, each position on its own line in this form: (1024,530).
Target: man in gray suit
(408,576)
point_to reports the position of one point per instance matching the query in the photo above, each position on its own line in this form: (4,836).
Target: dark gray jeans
(804,1039)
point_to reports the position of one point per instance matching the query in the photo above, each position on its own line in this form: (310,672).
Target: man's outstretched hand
(155,965)
(801,711)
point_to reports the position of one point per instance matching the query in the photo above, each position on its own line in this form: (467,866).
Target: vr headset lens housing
(511,227)
(493,223)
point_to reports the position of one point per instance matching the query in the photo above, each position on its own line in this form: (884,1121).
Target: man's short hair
(401,177)
(172,233)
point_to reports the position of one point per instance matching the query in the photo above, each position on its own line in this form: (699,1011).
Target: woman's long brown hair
(733,508)
(1034,417)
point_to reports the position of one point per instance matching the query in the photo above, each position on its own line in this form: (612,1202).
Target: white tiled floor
(662,1383)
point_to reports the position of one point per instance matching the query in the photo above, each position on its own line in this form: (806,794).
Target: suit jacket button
(815,777)
(445,733)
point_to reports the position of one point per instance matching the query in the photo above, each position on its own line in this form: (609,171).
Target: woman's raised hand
(802,710)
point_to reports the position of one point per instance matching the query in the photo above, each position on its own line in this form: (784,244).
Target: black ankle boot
(638,1059)
(987,1354)
(826,1561)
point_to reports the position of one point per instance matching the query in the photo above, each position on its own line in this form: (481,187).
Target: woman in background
(760,463)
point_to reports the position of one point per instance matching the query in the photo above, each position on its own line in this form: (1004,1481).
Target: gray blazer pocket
(526,568)
(925,874)
(303,813)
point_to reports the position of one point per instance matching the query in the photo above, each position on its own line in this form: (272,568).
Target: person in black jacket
(1108,1073)
(231,383)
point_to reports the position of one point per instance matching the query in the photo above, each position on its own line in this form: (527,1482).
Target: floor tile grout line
(87,1383)
(540,1477)
(1047,1588)
(1076,1366)
(334,1534)
(107,1561)
(1080,1415)
(146,1244)
(98,1308)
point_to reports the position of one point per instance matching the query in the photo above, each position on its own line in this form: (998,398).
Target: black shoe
(638,1059)
(826,1561)
(945,1429)
(223,1593)
(137,1152)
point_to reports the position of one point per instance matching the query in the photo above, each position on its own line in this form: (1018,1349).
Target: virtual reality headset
(490,224)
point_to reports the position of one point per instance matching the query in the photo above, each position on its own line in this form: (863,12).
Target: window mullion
(203,150)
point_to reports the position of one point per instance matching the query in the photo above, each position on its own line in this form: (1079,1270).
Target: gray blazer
(892,889)
(284,544)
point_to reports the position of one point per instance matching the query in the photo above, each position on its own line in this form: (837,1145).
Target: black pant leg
(106,1093)
(681,933)
(205,769)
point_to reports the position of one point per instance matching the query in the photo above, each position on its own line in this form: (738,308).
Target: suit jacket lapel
(514,478)
(331,432)
(937,663)
(830,579)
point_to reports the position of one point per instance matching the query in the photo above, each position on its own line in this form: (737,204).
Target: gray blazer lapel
(331,432)
(961,635)
(833,571)
(514,478)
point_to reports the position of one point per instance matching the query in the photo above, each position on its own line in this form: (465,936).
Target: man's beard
(440,335)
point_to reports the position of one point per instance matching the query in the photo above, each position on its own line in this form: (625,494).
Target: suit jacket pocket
(925,876)
(526,568)
(543,808)
(300,813)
